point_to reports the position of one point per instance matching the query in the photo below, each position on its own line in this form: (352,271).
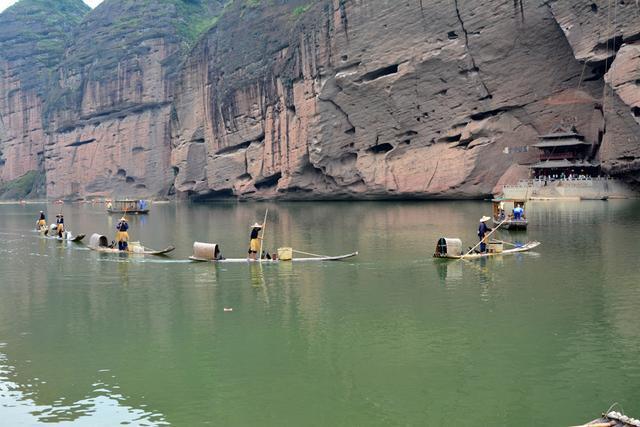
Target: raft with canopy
(211,252)
(127,206)
(503,214)
(100,243)
(451,248)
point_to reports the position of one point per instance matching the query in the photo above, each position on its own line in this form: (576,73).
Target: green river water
(392,337)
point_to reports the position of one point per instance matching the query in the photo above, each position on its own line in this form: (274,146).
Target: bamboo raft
(100,243)
(210,252)
(452,249)
(613,419)
(66,235)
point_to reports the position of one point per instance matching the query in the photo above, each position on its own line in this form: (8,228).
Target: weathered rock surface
(109,119)
(605,34)
(595,29)
(375,99)
(327,98)
(33,36)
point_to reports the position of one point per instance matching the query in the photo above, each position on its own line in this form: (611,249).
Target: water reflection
(373,338)
(449,271)
(21,403)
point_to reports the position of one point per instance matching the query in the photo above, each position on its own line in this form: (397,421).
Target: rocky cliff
(33,37)
(109,116)
(391,99)
(331,98)
(605,36)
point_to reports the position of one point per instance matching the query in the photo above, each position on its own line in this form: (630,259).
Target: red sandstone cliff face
(32,41)
(320,99)
(109,121)
(376,99)
(21,128)
(605,36)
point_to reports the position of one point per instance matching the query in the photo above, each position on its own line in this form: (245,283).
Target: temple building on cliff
(566,169)
(564,155)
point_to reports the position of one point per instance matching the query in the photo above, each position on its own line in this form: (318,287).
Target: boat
(451,248)
(66,237)
(210,252)
(52,235)
(613,419)
(100,243)
(503,214)
(127,206)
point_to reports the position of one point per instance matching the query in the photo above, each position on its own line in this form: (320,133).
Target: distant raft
(126,206)
(100,243)
(211,252)
(504,213)
(452,248)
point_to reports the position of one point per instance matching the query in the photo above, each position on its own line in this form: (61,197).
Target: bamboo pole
(264,225)
(507,243)
(485,237)
(309,253)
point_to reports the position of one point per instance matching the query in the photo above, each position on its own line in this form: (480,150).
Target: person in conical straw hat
(122,235)
(483,230)
(254,242)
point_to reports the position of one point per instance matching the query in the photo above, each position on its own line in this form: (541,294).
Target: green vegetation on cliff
(117,29)
(34,35)
(20,188)
(248,36)
(114,39)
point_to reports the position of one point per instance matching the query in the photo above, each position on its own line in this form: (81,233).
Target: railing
(559,156)
(541,182)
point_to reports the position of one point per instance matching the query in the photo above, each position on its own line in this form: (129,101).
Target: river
(391,337)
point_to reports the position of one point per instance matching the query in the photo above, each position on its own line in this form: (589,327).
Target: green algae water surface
(392,337)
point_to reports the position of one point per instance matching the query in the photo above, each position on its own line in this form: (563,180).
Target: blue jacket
(483,229)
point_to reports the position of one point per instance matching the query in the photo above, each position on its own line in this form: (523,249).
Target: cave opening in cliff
(268,182)
(481,115)
(451,138)
(234,148)
(379,73)
(81,142)
(380,148)
(599,68)
(212,195)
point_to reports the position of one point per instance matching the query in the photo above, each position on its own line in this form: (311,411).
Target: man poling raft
(483,229)
(122,236)
(41,224)
(59,225)
(254,240)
